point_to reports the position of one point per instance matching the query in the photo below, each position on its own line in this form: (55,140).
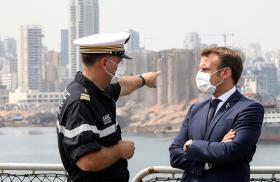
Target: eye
(205,70)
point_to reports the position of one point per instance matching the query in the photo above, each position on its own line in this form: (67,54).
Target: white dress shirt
(224,98)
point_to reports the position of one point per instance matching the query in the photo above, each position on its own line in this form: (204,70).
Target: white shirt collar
(226,95)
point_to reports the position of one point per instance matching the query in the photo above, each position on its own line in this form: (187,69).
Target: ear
(227,73)
(102,62)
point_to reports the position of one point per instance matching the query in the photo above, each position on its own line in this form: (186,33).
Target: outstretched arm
(131,83)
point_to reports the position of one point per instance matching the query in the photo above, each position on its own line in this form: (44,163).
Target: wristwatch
(143,80)
(187,145)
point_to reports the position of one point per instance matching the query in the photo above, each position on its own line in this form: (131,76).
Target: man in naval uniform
(89,137)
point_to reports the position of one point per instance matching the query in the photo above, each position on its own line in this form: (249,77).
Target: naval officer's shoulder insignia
(85,95)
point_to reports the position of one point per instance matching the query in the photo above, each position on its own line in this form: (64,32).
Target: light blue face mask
(119,73)
(204,84)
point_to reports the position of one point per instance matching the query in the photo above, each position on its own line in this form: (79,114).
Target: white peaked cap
(104,43)
(103,39)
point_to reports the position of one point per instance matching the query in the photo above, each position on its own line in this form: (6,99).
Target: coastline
(129,131)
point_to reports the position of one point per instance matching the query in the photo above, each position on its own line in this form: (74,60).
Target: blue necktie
(213,107)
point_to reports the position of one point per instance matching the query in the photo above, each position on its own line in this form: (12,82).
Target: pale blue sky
(161,23)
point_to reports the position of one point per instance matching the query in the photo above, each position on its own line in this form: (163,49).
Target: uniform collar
(79,77)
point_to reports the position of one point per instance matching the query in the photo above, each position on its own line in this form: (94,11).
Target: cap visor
(125,56)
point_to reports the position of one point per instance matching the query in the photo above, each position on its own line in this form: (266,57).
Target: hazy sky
(162,24)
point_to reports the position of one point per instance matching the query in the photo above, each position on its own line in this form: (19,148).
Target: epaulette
(85,95)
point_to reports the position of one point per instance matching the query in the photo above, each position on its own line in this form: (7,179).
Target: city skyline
(162,25)
(83,21)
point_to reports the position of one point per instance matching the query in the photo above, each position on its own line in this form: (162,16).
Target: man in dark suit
(218,137)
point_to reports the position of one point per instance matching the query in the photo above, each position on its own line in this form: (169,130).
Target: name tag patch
(107,119)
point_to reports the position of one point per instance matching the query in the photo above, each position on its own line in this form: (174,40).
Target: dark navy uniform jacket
(86,122)
(230,160)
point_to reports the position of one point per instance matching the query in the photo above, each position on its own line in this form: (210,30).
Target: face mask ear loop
(220,81)
(108,71)
(217,71)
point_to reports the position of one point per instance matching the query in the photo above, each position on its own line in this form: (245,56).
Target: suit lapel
(203,118)
(225,107)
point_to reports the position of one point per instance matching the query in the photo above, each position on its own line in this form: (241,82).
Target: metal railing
(167,173)
(26,172)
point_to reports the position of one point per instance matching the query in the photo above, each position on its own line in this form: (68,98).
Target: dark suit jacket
(230,160)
